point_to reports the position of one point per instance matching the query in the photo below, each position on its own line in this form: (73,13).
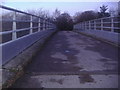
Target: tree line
(64,21)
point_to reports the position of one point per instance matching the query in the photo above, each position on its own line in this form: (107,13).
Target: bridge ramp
(72,60)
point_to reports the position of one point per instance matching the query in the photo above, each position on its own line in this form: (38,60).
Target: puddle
(85,78)
(60,81)
(67,51)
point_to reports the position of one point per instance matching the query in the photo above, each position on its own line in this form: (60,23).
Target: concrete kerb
(14,69)
(100,39)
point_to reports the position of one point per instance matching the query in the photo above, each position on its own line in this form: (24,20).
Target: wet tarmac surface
(70,53)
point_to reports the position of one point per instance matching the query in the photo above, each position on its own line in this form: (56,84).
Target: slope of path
(72,60)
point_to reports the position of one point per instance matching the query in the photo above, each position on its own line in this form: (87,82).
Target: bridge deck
(70,59)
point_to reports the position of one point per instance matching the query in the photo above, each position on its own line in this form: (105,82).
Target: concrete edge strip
(100,39)
(11,74)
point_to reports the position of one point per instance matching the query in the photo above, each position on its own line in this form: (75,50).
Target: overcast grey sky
(70,7)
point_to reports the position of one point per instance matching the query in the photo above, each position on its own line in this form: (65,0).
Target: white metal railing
(111,24)
(46,24)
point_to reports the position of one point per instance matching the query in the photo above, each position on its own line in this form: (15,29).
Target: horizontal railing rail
(111,24)
(32,25)
(11,9)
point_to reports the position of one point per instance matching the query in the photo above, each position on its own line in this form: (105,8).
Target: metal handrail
(102,18)
(94,23)
(45,23)
(11,9)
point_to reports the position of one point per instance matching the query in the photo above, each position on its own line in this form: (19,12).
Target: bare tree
(22,18)
(114,12)
(56,13)
(85,16)
(39,12)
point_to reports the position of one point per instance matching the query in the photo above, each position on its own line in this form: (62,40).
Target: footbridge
(34,54)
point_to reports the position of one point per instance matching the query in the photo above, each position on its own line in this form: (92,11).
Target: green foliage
(103,8)
(90,15)
(64,22)
(103,12)
(85,16)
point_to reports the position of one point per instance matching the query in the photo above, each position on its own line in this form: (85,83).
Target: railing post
(89,25)
(112,25)
(14,35)
(31,24)
(82,26)
(51,25)
(85,25)
(101,24)
(39,24)
(48,25)
(43,24)
(78,26)
(94,25)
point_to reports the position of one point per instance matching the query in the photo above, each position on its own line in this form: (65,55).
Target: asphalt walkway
(72,60)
